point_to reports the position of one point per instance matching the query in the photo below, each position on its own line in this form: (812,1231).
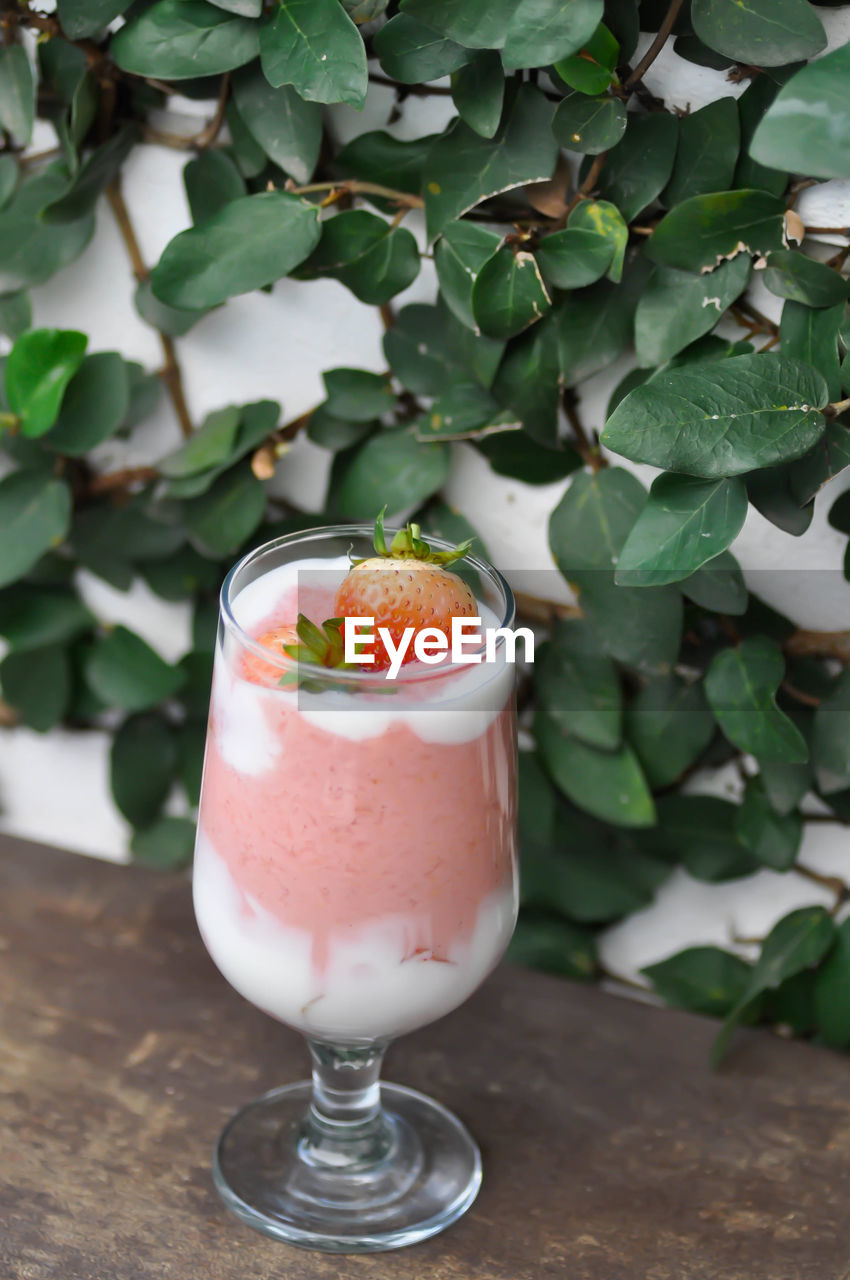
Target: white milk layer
(369,990)
(455,709)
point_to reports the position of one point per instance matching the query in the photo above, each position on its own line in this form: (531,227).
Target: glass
(355,878)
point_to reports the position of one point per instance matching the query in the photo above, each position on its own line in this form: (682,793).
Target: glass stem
(345,1127)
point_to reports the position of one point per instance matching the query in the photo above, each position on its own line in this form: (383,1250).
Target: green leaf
(167,844)
(223,518)
(250,157)
(798,942)
(773,838)
(191,742)
(17,93)
(15,314)
(459,254)
(183,576)
(588,124)
(811,335)
(390,469)
(638,168)
(35,617)
(721,419)
(704,980)
(579,687)
(249,243)
(197,668)
(94,406)
(287,128)
(808,126)
(92,178)
(35,511)
(83,18)
(209,445)
(30,251)
(553,945)
(699,832)
(314,46)
(605,220)
(829,994)
(676,307)
(766,33)
(709,141)
(686,522)
(573,258)
(428,350)
(741,687)
(411,52)
(529,384)
(142,764)
(184,39)
(464,411)
(718,586)
(669,724)
(785,784)
(37,684)
(607,784)
(769,491)
(335,433)
(362,251)
(211,181)
(357,394)
(594,877)
(379,157)
(588,527)
(543,31)
(38,369)
(639,626)
(831,737)
(699,233)
(752,105)
(593,69)
(462,168)
(174,321)
(125,672)
(790,274)
(594,327)
(509,294)
(8,177)
(478,91)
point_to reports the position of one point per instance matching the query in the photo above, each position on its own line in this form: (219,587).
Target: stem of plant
(356,187)
(170,372)
(657,45)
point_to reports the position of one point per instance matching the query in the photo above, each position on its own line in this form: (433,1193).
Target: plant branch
(837,407)
(657,45)
(544,611)
(355,187)
(115,481)
(819,644)
(587,449)
(208,135)
(170,372)
(589,182)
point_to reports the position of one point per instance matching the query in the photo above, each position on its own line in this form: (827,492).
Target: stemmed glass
(355,878)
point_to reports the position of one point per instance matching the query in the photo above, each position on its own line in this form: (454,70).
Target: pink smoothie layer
(337,833)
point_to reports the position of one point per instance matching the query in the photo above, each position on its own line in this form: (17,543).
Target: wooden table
(610,1150)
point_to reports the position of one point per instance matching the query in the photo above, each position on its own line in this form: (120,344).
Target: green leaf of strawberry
(408,544)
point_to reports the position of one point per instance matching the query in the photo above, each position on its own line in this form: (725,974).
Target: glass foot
(414,1174)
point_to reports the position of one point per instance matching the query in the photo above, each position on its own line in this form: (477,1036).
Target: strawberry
(303,642)
(405,585)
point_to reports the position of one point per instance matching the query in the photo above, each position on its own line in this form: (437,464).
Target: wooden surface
(610,1151)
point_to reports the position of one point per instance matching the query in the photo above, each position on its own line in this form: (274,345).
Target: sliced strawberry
(255,669)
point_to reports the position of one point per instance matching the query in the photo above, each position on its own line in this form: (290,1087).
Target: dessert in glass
(355,878)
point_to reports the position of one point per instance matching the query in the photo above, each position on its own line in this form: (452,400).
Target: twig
(112,481)
(584,446)
(763,324)
(799,695)
(828,231)
(832,883)
(415,90)
(837,407)
(819,644)
(170,372)
(656,46)
(544,611)
(356,187)
(208,135)
(177,141)
(589,182)
(387,315)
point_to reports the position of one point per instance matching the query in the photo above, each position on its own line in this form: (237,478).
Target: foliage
(572,216)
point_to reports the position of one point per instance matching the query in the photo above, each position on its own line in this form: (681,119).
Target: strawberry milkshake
(355,872)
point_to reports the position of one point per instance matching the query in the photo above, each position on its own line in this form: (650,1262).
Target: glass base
(413,1178)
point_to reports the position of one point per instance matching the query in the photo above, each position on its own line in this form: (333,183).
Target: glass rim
(339,675)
